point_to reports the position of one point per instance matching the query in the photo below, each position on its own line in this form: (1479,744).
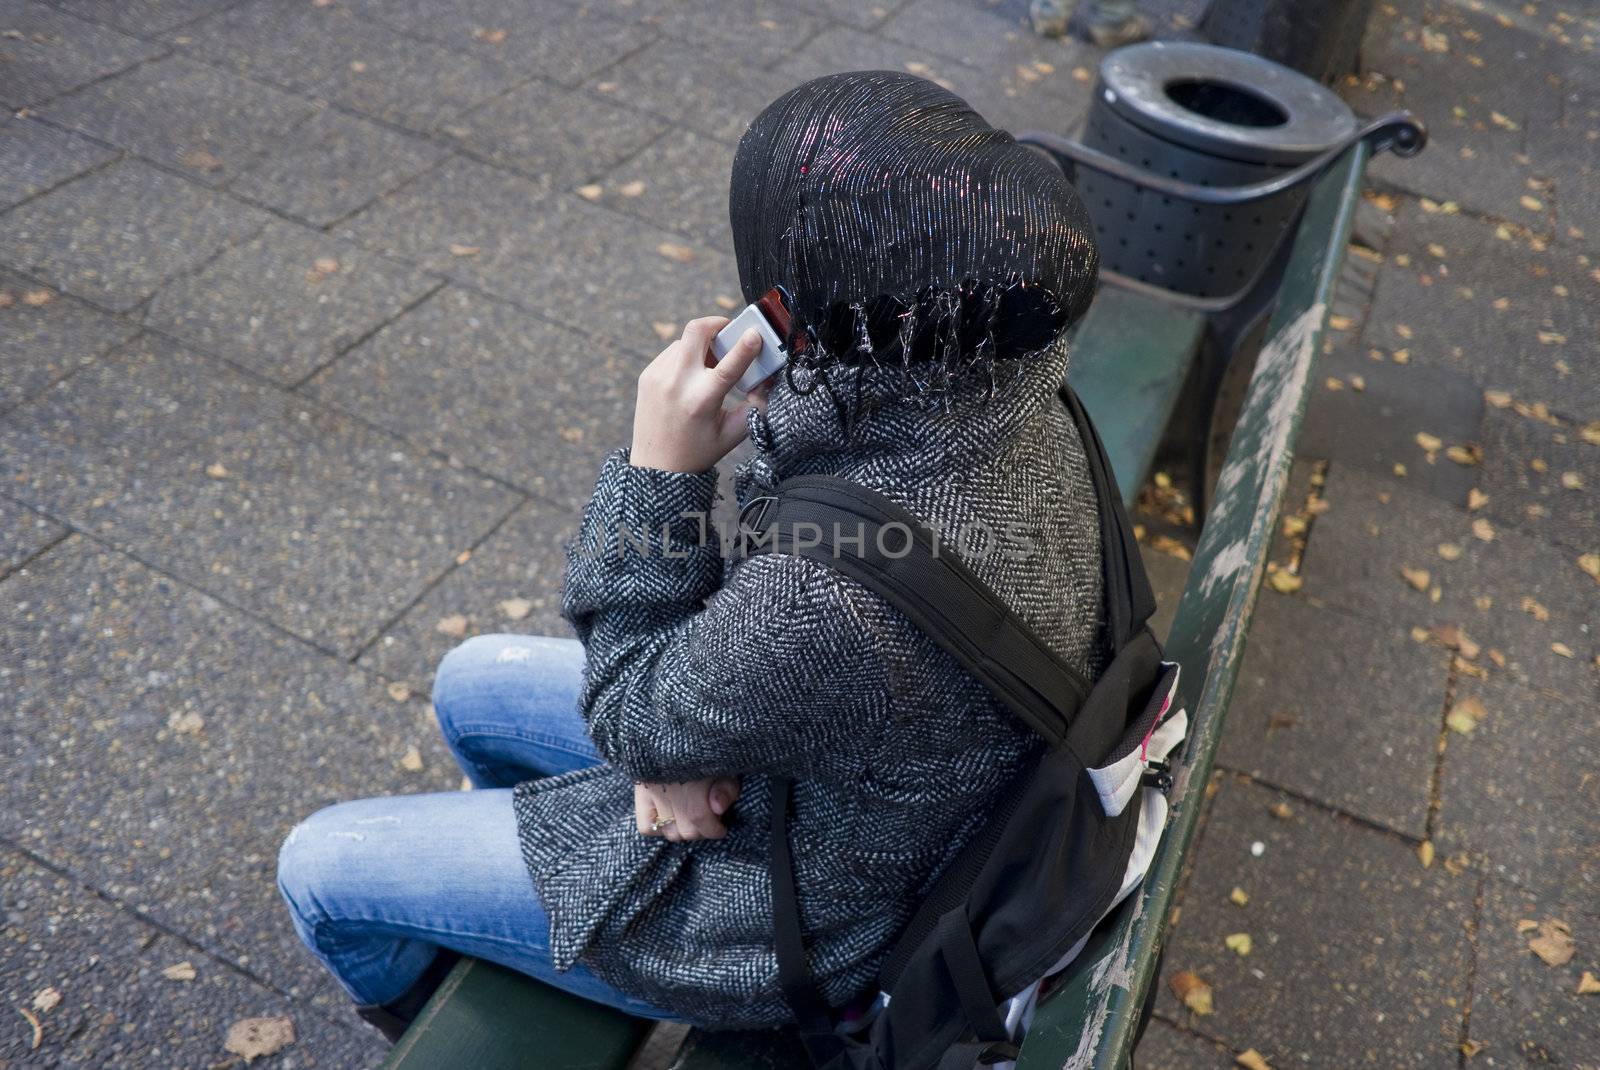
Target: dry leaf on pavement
(46,999)
(516,608)
(673,251)
(182,971)
(455,626)
(1429,443)
(251,1038)
(664,330)
(1590,563)
(1554,943)
(1476,499)
(1417,577)
(399,691)
(1281,811)
(1483,529)
(631,189)
(1195,992)
(1251,1059)
(411,761)
(457,249)
(590,192)
(1562,649)
(1284,582)
(1425,853)
(1588,984)
(186,722)
(37,298)
(1451,637)
(1238,943)
(1239,897)
(1466,715)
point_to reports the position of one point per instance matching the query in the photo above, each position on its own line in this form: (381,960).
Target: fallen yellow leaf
(1284,582)
(1562,649)
(251,1038)
(1425,853)
(590,192)
(1588,984)
(1449,551)
(411,760)
(455,626)
(1483,530)
(1239,897)
(1476,499)
(673,251)
(182,971)
(1590,563)
(1251,1059)
(516,608)
(1238,943)
(457,249)
(1572,480)
(1462,455)
(1193,991)
(1554,944)
(1417,577)
(399,691)
(631,189)
(1430,443)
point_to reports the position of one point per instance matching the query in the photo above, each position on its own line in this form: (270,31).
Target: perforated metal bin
(1210,116)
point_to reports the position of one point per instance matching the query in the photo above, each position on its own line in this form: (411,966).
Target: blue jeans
(377,887)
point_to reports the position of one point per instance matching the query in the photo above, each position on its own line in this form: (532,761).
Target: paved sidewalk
(316,317)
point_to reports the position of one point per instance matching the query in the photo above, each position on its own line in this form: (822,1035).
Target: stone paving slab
(1359,955)
(1480,309)
(455,217)
(358,63)
(547,132)
(1006,99)
(1537,829)
(550,38)
(43,342)
(755,33)
(316,521)
(273,305)
(55,53)
(1349,567)
(524,560)
(985,37)
(1544,479)
(184,115)
(574,262)
(1524,1012)
(1166,1047)
(673,80)
(23,533)
(679,183)
(144,17)
(115,236)
(1375,428)
(35,156)
(178,820)
(333,165)
(482,381)
(863,16)
(116,1009)
(1330,707)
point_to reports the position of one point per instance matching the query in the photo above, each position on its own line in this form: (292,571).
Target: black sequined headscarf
(907,230)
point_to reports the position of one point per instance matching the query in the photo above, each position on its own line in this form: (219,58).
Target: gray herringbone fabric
(782,666)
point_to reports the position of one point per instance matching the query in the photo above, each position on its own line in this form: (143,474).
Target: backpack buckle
(756,524)
(1159,776)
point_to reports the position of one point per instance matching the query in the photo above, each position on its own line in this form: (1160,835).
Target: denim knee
(306,861)
(455,669)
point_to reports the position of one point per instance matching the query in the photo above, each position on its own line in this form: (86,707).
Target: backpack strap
(869,538)
(864,535)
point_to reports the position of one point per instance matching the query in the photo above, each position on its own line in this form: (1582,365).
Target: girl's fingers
(724,793)
(734,426)
(697,336)
(731,367)
(644,811)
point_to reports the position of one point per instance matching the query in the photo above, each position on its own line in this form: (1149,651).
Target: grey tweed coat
(777,665)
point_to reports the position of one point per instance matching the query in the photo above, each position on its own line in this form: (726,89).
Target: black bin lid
(1223,102)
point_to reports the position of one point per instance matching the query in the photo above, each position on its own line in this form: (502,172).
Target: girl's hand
(686,812)
(679,423)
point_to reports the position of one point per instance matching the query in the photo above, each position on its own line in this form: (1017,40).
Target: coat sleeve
(688,676)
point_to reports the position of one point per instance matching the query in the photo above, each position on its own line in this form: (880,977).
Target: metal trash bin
(1213,117)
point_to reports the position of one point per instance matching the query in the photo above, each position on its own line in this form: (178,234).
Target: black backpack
(1049,865)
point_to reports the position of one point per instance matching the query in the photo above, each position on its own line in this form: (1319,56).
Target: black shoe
(392,1018)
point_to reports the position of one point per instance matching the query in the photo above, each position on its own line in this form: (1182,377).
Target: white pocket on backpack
(1150,739)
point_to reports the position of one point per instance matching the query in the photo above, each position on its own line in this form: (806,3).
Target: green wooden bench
(1132,356)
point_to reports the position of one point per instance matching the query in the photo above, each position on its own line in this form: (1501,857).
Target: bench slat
(1130,356)
(1093,1018)
(487,1017)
